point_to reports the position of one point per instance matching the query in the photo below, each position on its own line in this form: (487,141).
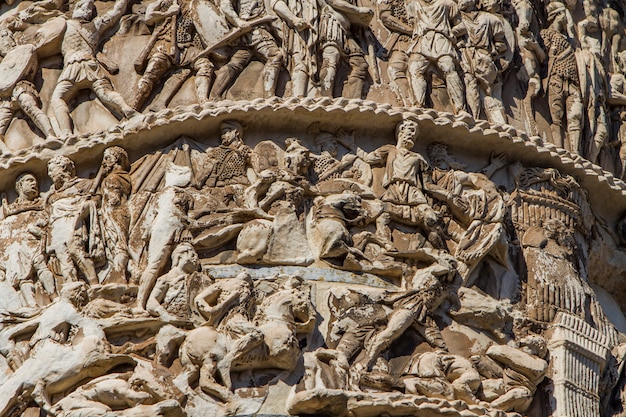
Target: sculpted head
(231,132)
(557,17)
(26,187)
(115,157)
(84,10)
(185,257)
(326,142)
(61,169)
(406,133)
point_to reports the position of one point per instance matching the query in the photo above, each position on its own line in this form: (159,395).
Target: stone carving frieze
(552,70)
(316,271)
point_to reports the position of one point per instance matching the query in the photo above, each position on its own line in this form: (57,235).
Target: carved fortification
(312,207)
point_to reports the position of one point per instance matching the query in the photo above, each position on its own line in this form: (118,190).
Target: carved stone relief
(332,208)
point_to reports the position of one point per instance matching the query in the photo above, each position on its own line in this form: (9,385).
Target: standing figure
(24,240)
(174,42)
(405,173)
(165,228)
(228,166)
(594,87)
(563,86)
(116,188)
(485,45)
(242,14)
(532,55)
(617,100)
(17,92)
(299,38)
(434,44)
(73,222)
(394,16)
(337,42)
(81,69)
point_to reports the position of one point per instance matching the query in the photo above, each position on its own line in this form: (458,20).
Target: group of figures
(565,70)
(138,292)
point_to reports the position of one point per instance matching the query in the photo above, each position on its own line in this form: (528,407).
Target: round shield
(15,67)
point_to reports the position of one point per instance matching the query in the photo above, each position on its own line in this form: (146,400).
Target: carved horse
(210,352)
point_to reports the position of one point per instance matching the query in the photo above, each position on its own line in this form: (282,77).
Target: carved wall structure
(329,208)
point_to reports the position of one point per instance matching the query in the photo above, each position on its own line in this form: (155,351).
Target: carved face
(407,132)
(230,136)
(188,259)
(27,187)
(60,169)
(331,147)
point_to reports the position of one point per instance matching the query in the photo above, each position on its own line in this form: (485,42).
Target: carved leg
(299,76)
(227,74)
(44,274)
(30,106)
(84,263)
(493,104)
(473,95)
(209,385)
(112,99)
(252,339)
(157,259)
(356,77)
(273,62)
(6,116)
(156,68)
(328,71)
(574,106)
(454,84)
(397,69)
(418,65)
(204,78)
(61,95)
(556,101)
(399,321)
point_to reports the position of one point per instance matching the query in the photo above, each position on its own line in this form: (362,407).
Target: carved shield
(267,155)
(210,23)
(15,67)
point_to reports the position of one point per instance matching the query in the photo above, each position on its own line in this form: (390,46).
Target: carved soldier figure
(485,44)
(81,68)
(24,240)
(394,16)
(169,297)
(617,99)
(116,188)
(404,181)
(73,223)
(434,42)
(337,42)
(563,88)
(325,164)
(299,38)
(17,92)
(174,42)
(165,227)
(594,86)
(259,41)
(426,290)
(532,55)
(229,163)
